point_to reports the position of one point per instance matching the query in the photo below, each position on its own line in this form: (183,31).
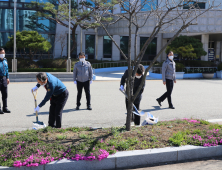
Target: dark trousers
(4,91)
(135,118)
(86,86)
(57,104)
(169,87)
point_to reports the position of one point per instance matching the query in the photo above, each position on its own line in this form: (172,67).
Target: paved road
(192,98)
(207,164)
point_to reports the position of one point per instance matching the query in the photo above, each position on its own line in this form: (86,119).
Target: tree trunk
(130,81)
(73,40)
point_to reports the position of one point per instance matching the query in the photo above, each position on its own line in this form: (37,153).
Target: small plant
(60,137)
(204,122)
(83,136)
(178,139)
(215,126)
(153,139)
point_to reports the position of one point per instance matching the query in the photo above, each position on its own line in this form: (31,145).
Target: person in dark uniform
(83,77)
(4,81)
(137,82)
(58,95)
(169,78)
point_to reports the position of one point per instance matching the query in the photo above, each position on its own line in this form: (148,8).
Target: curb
(129,159)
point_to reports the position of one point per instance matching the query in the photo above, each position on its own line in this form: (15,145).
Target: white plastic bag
(150,120)
(36,126)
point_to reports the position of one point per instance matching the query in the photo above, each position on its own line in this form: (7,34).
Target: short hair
(1,49)
(81,53)
(170,52)
(140,69)
(41,76)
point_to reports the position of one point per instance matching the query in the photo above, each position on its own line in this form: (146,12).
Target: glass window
(74,52)
(199,5)
(4,4)
(124,46)
(90,46)
(147,5)
(107,47)
(126,6)
(150,52)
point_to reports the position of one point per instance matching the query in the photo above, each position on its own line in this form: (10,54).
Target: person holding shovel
(169,78)
(4,81)
(58,95)
(137,82)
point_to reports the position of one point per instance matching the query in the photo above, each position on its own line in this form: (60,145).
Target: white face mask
(171,57)
(82,59)
(2,55)
(43,85)
(138,77)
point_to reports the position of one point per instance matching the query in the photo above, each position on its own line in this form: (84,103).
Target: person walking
(137,82)
(169,78)
(83,77)
(4,81)
(58,95)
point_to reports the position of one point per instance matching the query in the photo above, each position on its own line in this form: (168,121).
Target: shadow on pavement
(156,108)
(64,111)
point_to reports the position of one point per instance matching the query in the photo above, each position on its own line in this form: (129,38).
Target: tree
(30,41)
(58,11)
(184,52)
(61,38)
(183,42)
(167,15)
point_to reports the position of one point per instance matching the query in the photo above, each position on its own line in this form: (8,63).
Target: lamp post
(68,68)
(14,61)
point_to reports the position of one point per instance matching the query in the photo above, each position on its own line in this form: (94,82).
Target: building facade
(97,45)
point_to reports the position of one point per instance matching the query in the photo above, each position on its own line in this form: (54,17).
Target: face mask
(82,59)
(2,55)
(43,85)
(138,77)
(171,57)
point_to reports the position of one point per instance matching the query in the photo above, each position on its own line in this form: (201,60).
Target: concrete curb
(129,159)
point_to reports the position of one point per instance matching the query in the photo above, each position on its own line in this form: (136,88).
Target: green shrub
(178,139)
(179,67)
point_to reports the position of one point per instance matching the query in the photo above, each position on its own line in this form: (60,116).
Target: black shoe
(89,108)
(171,107)
(6,111)
(159,102)
(77,107)
(1,112)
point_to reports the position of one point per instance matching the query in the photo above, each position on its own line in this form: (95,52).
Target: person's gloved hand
(36,109)
(91,82)
(121,88)
(34,89)
(75,82)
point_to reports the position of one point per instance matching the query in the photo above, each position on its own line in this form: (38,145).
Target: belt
(2,76)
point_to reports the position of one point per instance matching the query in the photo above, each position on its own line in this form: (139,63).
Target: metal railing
(114,64)
(188,69)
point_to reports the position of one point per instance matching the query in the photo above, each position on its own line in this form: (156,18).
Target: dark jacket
(54,87)
(137,83)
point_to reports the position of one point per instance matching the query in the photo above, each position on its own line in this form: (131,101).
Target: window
(199,5)
(126,6)
(124,46)
(74,52)
(107,47)
(90,46)
(147,5)
(150,52)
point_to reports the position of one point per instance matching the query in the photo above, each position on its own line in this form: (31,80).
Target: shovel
(137,112)
(36,113)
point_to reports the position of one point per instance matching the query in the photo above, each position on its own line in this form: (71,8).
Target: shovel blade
(40,123)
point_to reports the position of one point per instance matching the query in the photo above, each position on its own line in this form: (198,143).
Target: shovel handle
(127,98)
(35,96)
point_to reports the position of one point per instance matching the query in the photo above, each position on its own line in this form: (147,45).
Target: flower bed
(34,148)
